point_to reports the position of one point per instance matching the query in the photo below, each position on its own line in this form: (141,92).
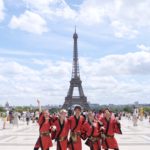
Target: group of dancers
(69,132)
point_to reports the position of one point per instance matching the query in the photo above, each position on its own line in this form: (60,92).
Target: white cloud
(121,30)
(127,64)
(105,80)
(30,22)
(143,47)
(91,13)
(131,16)
(124,18)
(21,82)
(51,8)
(19,53)
(1,10)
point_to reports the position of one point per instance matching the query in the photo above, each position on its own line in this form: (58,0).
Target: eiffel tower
(75,82)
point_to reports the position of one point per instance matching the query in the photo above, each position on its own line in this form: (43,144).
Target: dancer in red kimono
(111,126)
(61,129)
(45,122)
(99,115)
(93,131)
(76,122)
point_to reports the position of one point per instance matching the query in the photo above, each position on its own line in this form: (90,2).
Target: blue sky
(36,50)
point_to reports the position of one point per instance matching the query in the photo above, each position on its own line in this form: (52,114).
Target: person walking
(15,121)
(4,119)
(28,116)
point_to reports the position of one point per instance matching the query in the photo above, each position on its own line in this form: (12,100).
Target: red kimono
(111,127)
(75,135)
(84,130)
(61,134)
(93,133)
(44,141)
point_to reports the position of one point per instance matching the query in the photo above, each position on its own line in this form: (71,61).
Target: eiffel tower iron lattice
(75,82)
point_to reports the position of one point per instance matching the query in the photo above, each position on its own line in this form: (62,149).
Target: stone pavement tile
(142,147)
(24,137)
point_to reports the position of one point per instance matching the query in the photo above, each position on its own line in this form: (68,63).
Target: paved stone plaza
(24,137)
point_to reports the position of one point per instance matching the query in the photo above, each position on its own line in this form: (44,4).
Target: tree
(2,109)
(147,109)
(127,109)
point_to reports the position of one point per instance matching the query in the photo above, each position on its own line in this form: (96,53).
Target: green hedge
(2,109)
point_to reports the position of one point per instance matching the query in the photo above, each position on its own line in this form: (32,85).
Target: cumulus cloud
(91,13)
(51,8)
(124,18)
(143,47)
(19,53)
(127,64)
(1,10)
(22,84)
(111,79)
(121,30)
(29,21)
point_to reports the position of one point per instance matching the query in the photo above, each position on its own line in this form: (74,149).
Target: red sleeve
(70,120)
(84,130)
(54,118)
(53,133)
(117,127)
(41,118)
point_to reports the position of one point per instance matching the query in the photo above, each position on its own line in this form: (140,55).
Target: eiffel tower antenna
(75,67)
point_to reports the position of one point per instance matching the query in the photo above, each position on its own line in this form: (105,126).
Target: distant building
(136,104)
(94,106)
(7,106)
